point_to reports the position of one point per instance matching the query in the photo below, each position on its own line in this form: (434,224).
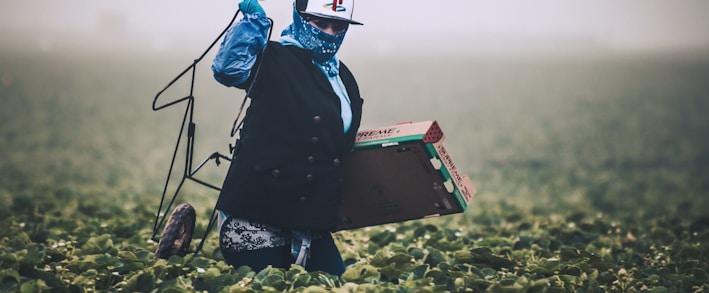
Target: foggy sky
(620,23)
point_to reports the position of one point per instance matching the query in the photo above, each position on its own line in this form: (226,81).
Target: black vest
(288,166)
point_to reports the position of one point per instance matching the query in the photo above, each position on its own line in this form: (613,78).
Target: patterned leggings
(258,246)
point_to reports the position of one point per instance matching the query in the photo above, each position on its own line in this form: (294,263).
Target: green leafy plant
(592,176)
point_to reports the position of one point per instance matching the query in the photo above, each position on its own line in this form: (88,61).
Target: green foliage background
(592,173)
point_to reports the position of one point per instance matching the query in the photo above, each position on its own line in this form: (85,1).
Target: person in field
(279,201)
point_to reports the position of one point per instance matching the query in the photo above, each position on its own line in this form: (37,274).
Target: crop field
(592,173)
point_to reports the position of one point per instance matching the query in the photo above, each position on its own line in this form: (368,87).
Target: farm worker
(279,201)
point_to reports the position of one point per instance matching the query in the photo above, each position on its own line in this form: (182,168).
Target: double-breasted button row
(311,160)
(277,173)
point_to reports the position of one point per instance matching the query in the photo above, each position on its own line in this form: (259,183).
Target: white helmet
(332,9)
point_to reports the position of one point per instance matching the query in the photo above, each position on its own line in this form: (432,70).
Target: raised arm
(241,45)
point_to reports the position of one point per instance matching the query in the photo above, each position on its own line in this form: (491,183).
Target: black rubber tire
(177,235)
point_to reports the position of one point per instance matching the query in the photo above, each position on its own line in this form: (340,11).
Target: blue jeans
(324,256)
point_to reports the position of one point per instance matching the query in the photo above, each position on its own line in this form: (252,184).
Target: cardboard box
(399,173)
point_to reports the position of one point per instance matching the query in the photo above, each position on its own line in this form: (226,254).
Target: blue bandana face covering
(324,45)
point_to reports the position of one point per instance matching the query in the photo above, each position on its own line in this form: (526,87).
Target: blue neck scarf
(324,46)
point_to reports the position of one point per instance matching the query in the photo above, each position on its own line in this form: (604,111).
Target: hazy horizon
(389,25)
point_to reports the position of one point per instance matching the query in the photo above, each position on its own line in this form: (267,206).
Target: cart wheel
(177,235)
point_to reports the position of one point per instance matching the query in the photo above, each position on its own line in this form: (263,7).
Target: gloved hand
(251,7)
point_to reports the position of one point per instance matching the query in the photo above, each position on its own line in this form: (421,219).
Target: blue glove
(251,7)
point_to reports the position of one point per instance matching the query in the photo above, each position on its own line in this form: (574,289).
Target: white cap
(332,9)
